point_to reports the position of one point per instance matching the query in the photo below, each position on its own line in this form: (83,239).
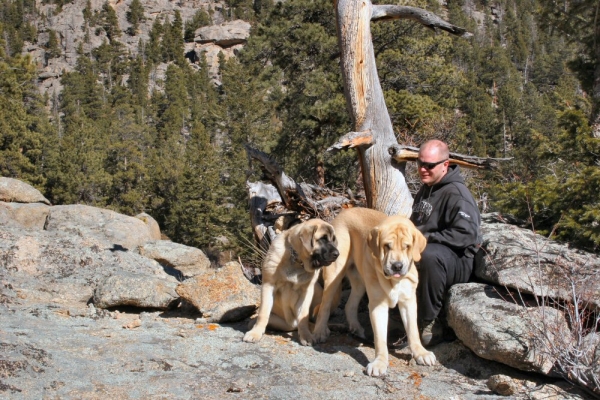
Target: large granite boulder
(221,295)
(496,328)
(120,231)
(520,259)
(188,261)
(16,191)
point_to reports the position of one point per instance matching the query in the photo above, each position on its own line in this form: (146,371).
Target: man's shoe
(432,333)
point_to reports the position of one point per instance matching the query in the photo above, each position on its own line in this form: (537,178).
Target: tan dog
(289,274)
(377,254)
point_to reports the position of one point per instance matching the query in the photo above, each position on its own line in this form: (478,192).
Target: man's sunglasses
(429,165)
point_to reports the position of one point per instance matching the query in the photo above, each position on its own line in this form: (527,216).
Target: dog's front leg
(378,312)
(306,338)
(408,311)
(266,305)
(332,283)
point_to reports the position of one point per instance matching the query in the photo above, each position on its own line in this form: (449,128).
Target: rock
(497,329)
(502,384)
(225,35)
(26,216)
(520,259)
(13,190)
(137,290)
(189,261)
(221,295)
(152,225)
(120,231)
(62,268)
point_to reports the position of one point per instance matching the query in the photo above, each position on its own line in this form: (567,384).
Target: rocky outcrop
(69,24)
(495,328)
(13,190)
(82,313)
(222,295)
(530,263)
(118,231)
(187,261)
(224,35)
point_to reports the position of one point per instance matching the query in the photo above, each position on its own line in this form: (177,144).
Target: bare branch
(402,153)
(424,17)
(353,139)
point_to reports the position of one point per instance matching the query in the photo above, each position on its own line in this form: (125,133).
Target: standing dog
(289,274)
(377,254)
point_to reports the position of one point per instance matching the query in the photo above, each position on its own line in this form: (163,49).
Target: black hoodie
(446,213)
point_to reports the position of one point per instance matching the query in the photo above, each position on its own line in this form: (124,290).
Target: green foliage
(52,47)
(135,16)
(107,19)
(22,124)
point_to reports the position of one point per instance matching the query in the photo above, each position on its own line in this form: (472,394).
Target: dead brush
(251,263)
(565,286)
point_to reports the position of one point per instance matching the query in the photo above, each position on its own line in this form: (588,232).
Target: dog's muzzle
(397,269)
(325,258)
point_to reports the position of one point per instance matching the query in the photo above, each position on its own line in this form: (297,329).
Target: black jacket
(446,213)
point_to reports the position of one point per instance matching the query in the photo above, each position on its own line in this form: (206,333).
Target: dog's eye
(388,246)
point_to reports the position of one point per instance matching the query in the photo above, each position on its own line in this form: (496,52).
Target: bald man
(446,213)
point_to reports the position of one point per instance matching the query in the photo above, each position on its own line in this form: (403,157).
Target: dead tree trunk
(373,134)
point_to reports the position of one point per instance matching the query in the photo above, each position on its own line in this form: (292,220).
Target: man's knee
(432,257)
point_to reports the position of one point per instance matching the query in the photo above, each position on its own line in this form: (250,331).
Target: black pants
(440,267)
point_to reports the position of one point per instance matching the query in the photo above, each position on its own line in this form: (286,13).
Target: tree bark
(373,134)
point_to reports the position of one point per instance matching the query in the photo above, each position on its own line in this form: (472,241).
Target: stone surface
(152,225)
(495,328)
(27,216)
(221,295)
(136,290)
(189,261)
(520,259)
(119,231)
(226,34)
(13,190)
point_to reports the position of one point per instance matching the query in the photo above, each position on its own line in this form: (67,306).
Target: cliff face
(72,30)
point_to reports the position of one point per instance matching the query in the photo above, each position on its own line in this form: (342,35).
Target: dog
(378,255)
(289,276)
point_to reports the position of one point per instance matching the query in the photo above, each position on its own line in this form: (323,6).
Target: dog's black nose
(397,266)
(335,254)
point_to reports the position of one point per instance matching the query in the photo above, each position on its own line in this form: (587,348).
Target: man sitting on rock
(446,213)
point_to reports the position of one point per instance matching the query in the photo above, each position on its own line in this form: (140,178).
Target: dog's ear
(307,237)
(419,243)
(373,242)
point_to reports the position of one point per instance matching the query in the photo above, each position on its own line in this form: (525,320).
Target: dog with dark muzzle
(378,255)
(289,276)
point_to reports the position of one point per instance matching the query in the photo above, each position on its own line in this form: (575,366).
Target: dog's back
(352,227)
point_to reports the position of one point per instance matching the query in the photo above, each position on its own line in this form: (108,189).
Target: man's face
(428,157)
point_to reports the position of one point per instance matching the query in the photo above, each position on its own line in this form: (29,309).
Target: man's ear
(419,244)
(373,242)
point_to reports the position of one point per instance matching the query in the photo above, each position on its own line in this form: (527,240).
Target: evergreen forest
(521,88)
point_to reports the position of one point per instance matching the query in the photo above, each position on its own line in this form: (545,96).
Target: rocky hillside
(68,23)
(94,305)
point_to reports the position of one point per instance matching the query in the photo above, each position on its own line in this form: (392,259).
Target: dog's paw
(425,358)
(252,336)
(377,368)
(306,339)
(357,330)
(321,335)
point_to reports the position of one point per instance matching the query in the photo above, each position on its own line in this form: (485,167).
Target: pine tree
(52,47)
(135,16)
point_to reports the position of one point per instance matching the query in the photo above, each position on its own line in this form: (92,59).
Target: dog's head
(316,243)
(396,243)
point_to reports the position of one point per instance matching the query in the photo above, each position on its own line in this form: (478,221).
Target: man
(446,213)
